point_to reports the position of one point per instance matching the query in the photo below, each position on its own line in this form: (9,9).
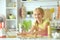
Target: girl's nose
(36,16)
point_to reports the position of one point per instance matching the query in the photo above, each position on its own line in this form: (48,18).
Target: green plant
(53,28)
(26,24)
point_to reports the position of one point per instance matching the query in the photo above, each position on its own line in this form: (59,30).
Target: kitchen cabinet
(11,17)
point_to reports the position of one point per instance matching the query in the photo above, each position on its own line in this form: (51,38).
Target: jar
(2,27)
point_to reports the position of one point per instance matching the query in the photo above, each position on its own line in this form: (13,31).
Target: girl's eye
(34,14)
(37,14)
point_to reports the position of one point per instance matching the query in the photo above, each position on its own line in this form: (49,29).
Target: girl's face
(37,15)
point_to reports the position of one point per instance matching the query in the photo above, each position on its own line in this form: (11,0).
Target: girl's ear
(42,16)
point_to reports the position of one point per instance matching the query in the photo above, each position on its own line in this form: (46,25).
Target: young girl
(40,27)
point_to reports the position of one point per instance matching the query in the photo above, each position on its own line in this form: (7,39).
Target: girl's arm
(47,25)
(49,29)
(33,29)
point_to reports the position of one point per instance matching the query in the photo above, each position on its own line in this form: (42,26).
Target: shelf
(55,21)
(11,13)
(12,30)
(11,24)
(11,19)
(11,3)
(11,8)
(11,34)
(58,28)
(39,1)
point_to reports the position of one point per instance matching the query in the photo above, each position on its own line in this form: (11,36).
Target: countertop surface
(28,39)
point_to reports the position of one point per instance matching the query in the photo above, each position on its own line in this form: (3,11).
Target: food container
(2,27)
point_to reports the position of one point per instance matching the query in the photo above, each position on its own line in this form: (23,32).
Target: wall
(31,5)
(2,7)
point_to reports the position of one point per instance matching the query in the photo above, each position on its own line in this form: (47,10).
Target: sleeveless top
(43,28)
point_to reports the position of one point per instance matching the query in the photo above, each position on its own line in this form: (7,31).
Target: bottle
(2,27)
(19,28)
(23,13)
(49,31)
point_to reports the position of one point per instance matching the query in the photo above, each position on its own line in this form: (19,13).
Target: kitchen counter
(28,39)
(31,36)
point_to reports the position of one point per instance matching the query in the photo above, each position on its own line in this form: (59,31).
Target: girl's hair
(40,9)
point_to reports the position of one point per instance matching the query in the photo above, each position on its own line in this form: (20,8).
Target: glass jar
(2,27)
